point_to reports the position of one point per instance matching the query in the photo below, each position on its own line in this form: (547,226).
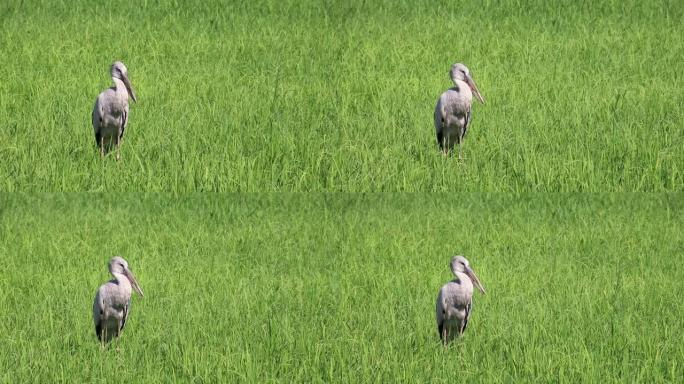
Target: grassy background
(318,288)
(338,96)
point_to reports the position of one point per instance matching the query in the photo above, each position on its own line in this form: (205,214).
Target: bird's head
(460,72)
(117,265)
(120,72)
(461,265)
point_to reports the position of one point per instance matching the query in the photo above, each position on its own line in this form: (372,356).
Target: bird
(453,110)
(113,301)
(110,113)
(455,300)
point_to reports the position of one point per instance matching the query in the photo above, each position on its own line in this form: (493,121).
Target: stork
(453,110)
(113,301)
(455,300)
(110,114)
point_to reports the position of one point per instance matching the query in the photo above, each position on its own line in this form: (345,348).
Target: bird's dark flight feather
(123,124)
(467,316)
(440,136)
(465,126)
(125,316)
(97,131)
(98,331)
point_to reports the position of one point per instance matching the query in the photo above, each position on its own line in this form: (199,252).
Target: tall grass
(331,96)
(341,288)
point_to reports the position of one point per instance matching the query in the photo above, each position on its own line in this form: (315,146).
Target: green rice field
(263,96)
(284,206)
(342,287)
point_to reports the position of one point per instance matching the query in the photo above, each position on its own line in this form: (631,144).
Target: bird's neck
(461,86)
(120,86)
(461,277)
(121,279)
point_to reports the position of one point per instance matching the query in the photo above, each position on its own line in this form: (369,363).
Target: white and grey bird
(110,114)
(453,110)
(113,301)
(455,300)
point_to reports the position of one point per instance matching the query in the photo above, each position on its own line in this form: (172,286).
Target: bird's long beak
(473,86)
(474,278)
(129,88)
(134,282)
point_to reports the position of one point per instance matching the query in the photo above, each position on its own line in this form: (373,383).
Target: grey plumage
(453,109)
(455,300)
(113,300)
(110,113)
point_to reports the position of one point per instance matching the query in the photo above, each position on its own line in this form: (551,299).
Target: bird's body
(453,306)
(452,116)
(110,113)
(453,109)
(455,300)
(112,303)
(111,307)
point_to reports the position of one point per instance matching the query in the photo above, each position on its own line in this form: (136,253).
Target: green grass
(341,288)
(338,96)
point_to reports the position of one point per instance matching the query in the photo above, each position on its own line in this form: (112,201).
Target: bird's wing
(98,315)
(125,121)
(440,311)
(126,310)
(467,122)
(97,120)
(440,330)
(439,122)
(468,308)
